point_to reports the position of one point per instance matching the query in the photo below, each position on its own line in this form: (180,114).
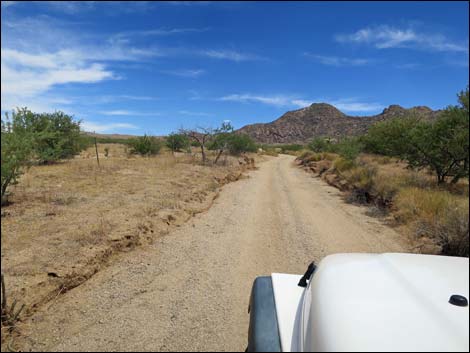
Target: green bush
(239,143)
(294,147)
(348,148)
(389,138)
(177,142)
(320,144)
(145,145)
(16,151)
(54,135)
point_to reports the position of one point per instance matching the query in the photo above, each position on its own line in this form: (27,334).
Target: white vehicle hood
(369,302)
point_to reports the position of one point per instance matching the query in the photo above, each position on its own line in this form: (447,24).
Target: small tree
(200,137)
(177,142)
(221,139)
(443,145)
(145,145)
(16,151)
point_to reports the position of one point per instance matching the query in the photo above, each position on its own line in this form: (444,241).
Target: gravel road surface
(190,289)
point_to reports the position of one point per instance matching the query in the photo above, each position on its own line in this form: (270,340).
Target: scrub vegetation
(413,171)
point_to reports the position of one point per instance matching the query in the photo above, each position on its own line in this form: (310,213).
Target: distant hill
(321,119)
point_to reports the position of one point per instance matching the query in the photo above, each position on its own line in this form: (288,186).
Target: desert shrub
(385,188)
(389,137)
(416,179)
(452,232)
(16,151)
(384,160)
(341,164)
(413,202)
(309,156)
(289,148)
(438,215)
(348,148)
(177,142)
(361,177)
(145,145)
(54,136)
(106,151)
(328,156)
(240,143)
(319,144)
(305,155)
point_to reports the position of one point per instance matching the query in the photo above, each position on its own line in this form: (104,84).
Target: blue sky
(153,67)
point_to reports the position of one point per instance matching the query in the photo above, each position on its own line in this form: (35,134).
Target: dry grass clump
(341,165)
(306,157)
(436,214)
(361,177)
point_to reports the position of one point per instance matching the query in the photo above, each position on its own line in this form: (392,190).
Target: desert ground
(188,288)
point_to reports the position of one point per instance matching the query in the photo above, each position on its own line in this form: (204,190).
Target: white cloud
(129,97)
(157,32)
(407,66)
(351,105)
(109,127)
(185,72)
(26,76)
(37,64)
(338,61)
(119,112)
(356,107)
(187,3)
(278,100)
(190,113)
(301,103)
(229,55)
(383,37)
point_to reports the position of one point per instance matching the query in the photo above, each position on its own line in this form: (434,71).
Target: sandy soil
(189,290)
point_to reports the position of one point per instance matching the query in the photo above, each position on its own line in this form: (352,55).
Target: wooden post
(96,149)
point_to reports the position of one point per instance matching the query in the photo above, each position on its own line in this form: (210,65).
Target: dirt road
(190,289)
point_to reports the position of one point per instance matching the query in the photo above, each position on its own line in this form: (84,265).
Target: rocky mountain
(321,119)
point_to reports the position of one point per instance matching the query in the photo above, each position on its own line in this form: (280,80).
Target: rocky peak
(393,109)
(322,119)
(324,109)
